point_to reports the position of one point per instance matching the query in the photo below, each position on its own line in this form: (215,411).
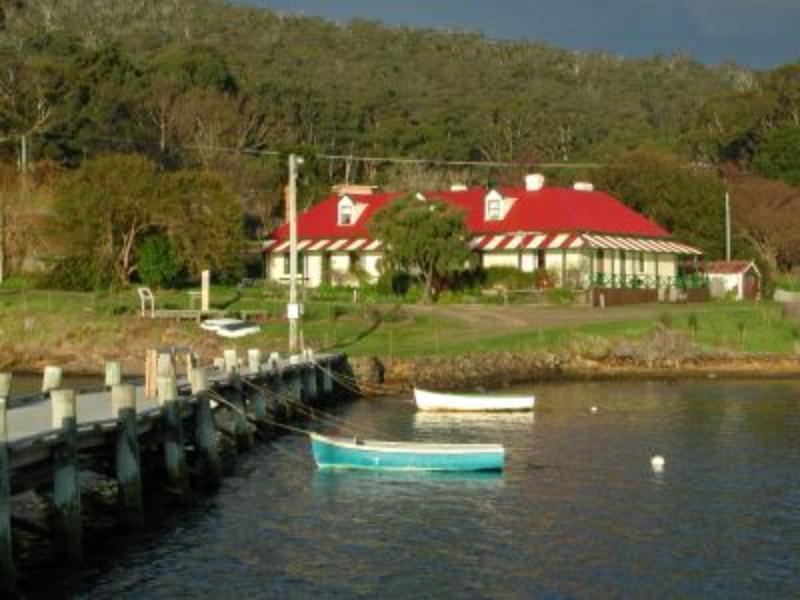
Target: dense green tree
(778,154)
(203,219)
(688,202)
(427,239)
(101,211)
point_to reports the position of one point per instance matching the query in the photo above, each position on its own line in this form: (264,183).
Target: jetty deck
(121,431)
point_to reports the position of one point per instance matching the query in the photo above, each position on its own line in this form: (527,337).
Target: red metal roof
(549,210)
(722,267)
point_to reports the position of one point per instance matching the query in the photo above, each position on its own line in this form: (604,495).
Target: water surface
(578,512)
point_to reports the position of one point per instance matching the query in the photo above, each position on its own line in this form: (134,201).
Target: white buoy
(658,462)
(593,410)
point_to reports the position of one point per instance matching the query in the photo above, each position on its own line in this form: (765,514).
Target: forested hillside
(208,85)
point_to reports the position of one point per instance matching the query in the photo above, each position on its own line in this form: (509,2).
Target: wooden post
(150,377)
(254,361)
(274,363)
(231,361)
(205,430)
(129,478)
(51,379)
(310,385)
(7,572)
(67,542)
(113,374)
(205,291)
(244,437)
(166,365)
(165,370)
(295,392)
(327,380)
(174,450)
(191,364)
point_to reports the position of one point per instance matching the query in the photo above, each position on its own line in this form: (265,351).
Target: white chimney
(458,187)
(583,186)
(534,182)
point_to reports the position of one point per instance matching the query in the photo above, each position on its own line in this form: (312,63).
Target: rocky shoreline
(667,354)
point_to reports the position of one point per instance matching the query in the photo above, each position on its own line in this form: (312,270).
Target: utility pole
(727,226)
(293,309)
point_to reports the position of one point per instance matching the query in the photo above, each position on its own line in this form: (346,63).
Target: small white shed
(740,279)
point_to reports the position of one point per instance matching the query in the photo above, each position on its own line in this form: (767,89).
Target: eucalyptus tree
(428,239)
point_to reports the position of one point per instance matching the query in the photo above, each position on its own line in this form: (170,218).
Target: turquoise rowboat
(349,453)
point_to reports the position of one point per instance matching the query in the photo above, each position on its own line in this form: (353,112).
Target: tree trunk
(2,240)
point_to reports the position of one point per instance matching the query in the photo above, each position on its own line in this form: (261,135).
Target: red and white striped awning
(526,241)
(340,245)
(612,242)
(506,242)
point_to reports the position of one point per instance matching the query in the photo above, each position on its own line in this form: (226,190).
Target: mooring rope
(311,412)
(219,398)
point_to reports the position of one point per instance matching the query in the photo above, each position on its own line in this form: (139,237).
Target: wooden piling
(7,571)
(166,365)
(150,376)
(254,361)
(231,361)
(205,430)
(174,449)
(310,392)
(51,379)
(241,429)
(113,374)
(67,537)
(128,466)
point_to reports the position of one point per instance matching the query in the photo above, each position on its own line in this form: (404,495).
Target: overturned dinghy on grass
(350,453)
(438,401)
(230,328)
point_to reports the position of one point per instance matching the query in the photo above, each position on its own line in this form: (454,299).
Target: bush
(394,282)
(510,278)
(74,273)
(157,263)
(788,282)
(560,296)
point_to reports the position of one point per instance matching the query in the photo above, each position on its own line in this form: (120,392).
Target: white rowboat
(470,402)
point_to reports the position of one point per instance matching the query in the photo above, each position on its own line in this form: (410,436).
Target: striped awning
(612,242)
(340,245)
(506,242)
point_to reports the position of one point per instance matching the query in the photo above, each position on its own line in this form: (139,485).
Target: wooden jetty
(47,439)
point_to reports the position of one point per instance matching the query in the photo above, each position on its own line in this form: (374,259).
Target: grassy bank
(81,330)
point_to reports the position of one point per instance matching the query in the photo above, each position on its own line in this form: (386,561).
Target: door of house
(750,285)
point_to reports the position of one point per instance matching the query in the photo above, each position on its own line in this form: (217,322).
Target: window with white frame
(346,210)
(493,206)
(493,210)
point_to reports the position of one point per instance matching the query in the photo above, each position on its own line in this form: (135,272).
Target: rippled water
(578,512)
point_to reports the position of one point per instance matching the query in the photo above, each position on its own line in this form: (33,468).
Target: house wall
(371,263)
(313,270)
(500,259)
(577,264)
(721,284)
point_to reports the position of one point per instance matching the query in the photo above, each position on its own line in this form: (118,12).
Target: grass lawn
(81,330)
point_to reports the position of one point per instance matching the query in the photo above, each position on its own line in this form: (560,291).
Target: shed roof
(730,267)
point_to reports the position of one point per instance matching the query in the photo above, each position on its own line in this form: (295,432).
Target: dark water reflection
(577,513)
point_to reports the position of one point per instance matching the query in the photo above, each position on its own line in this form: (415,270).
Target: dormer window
(346,211)
(495,206)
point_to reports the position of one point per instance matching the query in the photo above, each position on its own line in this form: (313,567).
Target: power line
(341,157)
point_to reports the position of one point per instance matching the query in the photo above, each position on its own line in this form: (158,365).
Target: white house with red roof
(581,236)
